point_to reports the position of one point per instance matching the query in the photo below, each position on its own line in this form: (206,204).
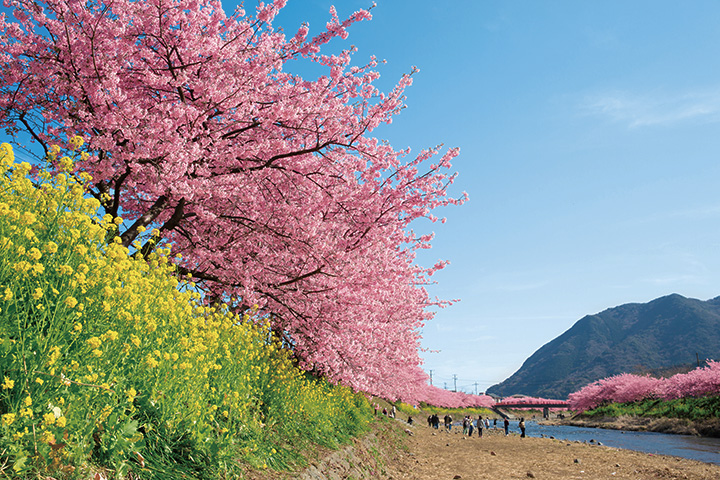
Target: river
(704,449)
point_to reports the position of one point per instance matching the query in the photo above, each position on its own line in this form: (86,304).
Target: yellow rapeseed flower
(76,142)
(86,178)
(28,218)
(66,164)
(110,335)
(6,153)
(54,355)
(61,422)
(8,384)
(49,419)
(65,270)
(8,418)
(34,254)
(70,302)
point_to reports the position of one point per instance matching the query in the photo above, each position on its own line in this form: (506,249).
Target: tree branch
(144,220)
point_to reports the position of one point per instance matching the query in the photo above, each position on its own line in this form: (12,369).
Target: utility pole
(455,380)
(430,377)
(445,385)
(475,388)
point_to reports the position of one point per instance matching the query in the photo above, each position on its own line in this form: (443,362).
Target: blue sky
(589,145)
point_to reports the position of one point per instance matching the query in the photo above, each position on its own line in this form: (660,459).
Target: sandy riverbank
(437,455)
(393,450)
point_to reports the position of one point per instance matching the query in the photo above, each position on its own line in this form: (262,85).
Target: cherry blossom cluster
(624,388)
(439,397)
(270,186)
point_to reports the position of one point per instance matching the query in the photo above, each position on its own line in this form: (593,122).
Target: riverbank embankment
(681,426)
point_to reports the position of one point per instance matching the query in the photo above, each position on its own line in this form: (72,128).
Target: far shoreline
(676,426)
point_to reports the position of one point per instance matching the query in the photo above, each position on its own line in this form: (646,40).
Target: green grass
(687,408)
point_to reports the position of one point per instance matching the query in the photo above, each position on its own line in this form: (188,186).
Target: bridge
(498,407)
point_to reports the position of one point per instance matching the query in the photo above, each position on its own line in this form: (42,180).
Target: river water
(703,449)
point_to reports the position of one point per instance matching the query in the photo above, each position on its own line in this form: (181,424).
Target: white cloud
(655,108)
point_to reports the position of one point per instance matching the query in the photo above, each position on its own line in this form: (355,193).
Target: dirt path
(438,455)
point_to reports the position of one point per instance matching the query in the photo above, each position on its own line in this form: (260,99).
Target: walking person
(479,426)
(506,423)
(522,427)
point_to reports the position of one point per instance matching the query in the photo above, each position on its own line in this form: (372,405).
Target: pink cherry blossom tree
(699,382)
(530,401)
(625,388)
(439,397)
(270,185)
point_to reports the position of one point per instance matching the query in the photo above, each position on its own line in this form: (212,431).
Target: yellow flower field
(109,360)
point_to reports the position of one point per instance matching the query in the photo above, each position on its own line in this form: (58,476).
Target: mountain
(662,335)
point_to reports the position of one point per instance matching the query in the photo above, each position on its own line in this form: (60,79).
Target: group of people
(385,412)
(469,425)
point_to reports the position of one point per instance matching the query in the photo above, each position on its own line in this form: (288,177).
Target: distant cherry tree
(626,388)
(271,186)
(445,398)
(530,401)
